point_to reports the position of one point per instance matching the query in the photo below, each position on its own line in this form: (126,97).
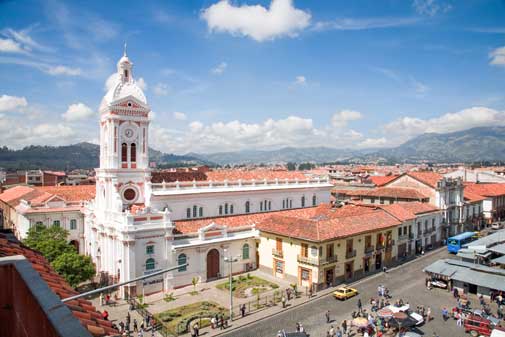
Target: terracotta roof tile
(71,193)
(257,174)
(408,210)
(486,190)
(82,309)
(427,177)
(386,192)
(381,180)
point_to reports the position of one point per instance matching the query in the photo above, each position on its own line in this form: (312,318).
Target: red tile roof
(427,177)
(330,226)
(71,193)
(408,210)
(15,193)
(257,174)
(386,192)
(472,197)
(381,180)
(173,176)
(486,190)
(82,309)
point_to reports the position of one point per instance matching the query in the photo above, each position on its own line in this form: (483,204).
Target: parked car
(418,318)
(478,326)
(496,226)
(344,293)
(495,321)
(498,332)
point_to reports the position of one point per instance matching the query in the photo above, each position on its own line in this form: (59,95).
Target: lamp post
(230,259)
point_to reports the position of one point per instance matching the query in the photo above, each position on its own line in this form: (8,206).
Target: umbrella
(385,313)
(360,322)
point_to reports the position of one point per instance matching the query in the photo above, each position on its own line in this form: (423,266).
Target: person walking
(344,326)
(327,314)
(428,314)
(459,321)
(283,300)
(196,328)
(332,331)
(101,299)
(242,310)
(339,332)
(445,314)
(359,304)
(135,327)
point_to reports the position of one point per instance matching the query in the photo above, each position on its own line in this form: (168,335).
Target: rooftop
(408,210)
(386,192)
(486,190)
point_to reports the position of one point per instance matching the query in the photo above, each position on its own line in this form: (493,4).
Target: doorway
(329,277)
(212,264)
(378,261)
(349,269)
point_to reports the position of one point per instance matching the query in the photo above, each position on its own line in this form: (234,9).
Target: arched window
(245,251)
(124,154)
(220,209)
(314,200)
(150,264)
(247,206)
(269,205)
(188,212)
(283,203)
(200,212)
(133,153)
(290,203)
(261,206)
(225,208)
(303,201)
(231,209)
(194,211)
(181,259)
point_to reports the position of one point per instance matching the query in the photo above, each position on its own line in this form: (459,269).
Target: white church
(134,227)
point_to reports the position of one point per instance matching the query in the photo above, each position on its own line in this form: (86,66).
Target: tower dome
(124,84)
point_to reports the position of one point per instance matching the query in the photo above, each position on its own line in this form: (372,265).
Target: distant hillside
(472,145)
(81,155)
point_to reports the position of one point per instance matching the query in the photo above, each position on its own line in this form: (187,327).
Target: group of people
(139,329)
(218,322)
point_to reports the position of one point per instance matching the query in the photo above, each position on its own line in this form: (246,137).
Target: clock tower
(123,176)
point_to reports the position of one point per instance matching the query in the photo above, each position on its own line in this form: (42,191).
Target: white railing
(185,185)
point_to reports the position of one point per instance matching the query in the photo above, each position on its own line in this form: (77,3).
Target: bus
(455,243)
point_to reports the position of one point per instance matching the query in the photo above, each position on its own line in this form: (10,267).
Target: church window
(200,212)
(247,206)
(150,249)
(150,264)
(314,200)
(220,209)
(182,259)
(133,153)
(126,76)
(194,211)
(283,203)
(39,223)
(303,201)
(226,208)
(245,251)
(124,155)
(188,212)
(261,206)
(73,224)
(290,203)
(231,209)
(269,205)
(56,223)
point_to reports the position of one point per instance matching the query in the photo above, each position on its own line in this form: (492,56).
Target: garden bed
(245,286)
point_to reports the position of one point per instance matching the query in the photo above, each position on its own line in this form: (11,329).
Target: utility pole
(230,259)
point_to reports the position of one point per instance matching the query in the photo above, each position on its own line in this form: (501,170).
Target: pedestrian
(328,333)
(327,314)
(242,310)
(221,322)
(213,322)
(121,326)
(384,269)
(135,327)
(445,314)
(339,332)
(310,291)
(359,304)
(196,328)
(455,293)
(142,326)
(297,327)
(302,329)
(332,331)
(428,314)
(128,317)
(105,315)
(288,293)
(101,299)
(107,299)
(283,300)
(344,326)
(459,321)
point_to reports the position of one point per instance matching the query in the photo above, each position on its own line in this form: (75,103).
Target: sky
(234,75)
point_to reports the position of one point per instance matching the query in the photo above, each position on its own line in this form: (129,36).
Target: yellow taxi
(344,293)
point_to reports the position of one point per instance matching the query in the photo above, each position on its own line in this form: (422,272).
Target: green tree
(74,268)
(291,166)
(50,241)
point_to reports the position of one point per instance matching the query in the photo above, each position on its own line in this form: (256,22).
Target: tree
(50,241)
(291,166)
(74,268)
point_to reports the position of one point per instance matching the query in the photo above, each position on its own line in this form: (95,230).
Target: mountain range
(472,145)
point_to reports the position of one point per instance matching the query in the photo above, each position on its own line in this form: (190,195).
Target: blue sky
(231,75)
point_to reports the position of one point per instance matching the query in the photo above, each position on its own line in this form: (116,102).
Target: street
(406,282)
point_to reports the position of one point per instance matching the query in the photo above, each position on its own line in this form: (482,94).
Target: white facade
(128,227)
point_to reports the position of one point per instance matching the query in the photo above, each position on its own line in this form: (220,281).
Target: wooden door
(212,264)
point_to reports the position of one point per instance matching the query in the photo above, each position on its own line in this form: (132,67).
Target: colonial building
(135,226)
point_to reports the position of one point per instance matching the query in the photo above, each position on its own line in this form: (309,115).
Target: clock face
(128,133)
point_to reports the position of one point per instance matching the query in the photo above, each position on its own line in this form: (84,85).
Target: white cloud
(142,84)
(300,80)
(497,57)
(219,69)
(63,70)
(77,112)
(111,81)
(255,21)
(365,23)
(341,118)
(51,131)
(431,7)
(161,89)
(10,46)
(408,127)
(10,103)
(180,116)
(373,143)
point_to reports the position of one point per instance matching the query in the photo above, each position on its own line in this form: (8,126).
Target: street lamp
(230,259)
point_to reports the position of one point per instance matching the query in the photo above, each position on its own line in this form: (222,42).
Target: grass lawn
(246,286)
(176,320)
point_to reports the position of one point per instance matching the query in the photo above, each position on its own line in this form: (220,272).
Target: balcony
(350,254)
(317,261)
(369,249)
(403,237)
(379,246)
(277,253)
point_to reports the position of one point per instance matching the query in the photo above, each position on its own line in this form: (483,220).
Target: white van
(497,333)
